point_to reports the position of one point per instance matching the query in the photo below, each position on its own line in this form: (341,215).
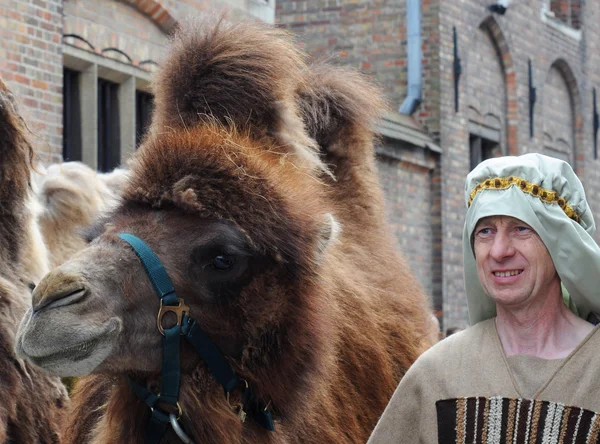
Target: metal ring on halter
(179,310)
(227,395)
(179,431)
(179,409)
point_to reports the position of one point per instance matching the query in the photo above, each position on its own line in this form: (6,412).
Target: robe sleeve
(403,418)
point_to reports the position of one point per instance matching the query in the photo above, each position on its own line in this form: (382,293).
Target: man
(528,369)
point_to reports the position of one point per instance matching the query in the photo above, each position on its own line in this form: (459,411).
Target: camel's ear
(330,232)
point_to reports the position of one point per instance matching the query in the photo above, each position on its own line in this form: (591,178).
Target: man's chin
(507,296)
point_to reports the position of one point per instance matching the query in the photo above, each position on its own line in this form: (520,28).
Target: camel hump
(337,105)
(245,76)
(236,73)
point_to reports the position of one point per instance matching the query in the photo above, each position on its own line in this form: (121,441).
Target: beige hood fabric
(545,193)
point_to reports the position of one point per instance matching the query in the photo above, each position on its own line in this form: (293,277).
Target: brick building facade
(97,57)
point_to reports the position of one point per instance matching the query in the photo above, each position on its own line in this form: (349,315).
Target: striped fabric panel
(497,420)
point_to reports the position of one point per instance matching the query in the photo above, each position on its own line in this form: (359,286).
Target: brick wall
(31,64)
(590,61)
(112,24)
(405,174)
(428,113)
(370,36)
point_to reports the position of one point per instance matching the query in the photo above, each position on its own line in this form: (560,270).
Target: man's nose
(502,247)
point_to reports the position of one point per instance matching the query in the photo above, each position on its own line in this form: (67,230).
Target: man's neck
(548,332)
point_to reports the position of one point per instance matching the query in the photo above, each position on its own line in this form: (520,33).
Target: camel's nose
(57,289)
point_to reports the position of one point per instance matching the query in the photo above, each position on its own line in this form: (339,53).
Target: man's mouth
(507,273)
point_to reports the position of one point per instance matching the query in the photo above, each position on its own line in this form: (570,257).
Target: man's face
(513,264)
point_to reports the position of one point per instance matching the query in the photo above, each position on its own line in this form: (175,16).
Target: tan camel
(32,401)
(230,192)
(72,197)
(69,198)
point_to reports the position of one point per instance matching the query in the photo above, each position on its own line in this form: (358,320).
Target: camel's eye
(31,286)
(222,262)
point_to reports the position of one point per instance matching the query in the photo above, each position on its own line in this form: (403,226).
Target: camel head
(243,235)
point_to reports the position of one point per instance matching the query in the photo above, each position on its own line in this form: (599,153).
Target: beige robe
(466,384)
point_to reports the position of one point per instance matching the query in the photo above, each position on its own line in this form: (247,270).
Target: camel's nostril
(67,299)
(56,290)
(60,299)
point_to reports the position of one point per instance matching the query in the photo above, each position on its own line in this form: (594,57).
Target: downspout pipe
(415,82)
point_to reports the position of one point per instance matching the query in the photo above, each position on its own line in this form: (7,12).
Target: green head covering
(546,194)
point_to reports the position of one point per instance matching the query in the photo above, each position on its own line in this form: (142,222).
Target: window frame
(109,126)
(92,67)
(548,17)
(568,18)
(481,148)
(72,145)
(144,107)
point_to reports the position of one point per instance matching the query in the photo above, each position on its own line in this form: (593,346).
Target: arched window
(486,92)
(559,118)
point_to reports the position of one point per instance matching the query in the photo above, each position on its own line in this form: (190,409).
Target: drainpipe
(413,20)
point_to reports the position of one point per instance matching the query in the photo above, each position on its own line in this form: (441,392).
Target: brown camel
(230,192)
(32,401)
(340,120)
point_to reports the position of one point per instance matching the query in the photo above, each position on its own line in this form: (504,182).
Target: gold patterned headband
(548,196)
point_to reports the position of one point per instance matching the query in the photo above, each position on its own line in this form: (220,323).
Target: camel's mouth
(74,353)
(72,359)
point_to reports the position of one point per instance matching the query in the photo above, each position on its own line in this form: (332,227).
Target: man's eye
(523,229)
(484,231)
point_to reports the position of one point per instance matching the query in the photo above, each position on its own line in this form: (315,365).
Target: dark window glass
(482,149)
(71,116)
(144,103)
(109,136)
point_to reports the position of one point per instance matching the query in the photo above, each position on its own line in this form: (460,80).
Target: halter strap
(154,269)
(211,355)
(171,373)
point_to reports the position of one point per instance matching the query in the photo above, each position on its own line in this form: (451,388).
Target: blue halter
(171,373)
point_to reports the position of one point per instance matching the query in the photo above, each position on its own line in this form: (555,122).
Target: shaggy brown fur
(239,75)
(32,401)
(15,160)
(320,327)
(339,108)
